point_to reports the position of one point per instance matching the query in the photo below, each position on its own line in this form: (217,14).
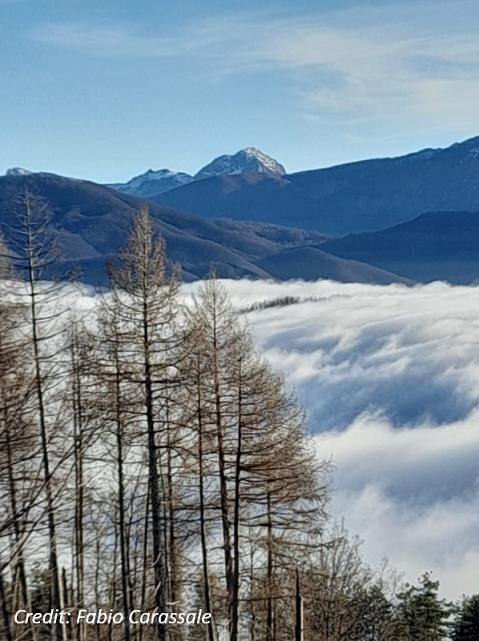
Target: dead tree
(35,254)
(146,297)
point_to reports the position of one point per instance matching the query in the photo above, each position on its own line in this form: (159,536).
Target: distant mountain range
(361,196)
(93,221)
(367,221)
(154,182)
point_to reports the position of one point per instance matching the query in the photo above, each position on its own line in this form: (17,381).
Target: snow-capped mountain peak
(269,163)
(248,160)
(156,181)
(18,171)
(152,182)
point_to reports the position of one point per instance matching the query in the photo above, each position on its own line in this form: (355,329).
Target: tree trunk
(201,492)
(121,501)
(154,482)
(79,533)
(53,559)
(234,602)
(225,518)
(298,626)
(269,573)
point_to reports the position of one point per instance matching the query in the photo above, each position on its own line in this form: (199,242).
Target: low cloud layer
(390,379)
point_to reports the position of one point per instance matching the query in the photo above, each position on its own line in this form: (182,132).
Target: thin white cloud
(110,41)
(402,60)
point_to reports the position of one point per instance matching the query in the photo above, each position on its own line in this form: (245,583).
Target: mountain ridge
(154,182)
(93,222)
(432,246)
(303,225)
(363,195)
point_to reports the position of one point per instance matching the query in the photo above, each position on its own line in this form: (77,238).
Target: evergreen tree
(422,615)
(378,622)
(466,624)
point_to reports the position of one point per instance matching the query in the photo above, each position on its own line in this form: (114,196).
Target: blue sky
(105,90)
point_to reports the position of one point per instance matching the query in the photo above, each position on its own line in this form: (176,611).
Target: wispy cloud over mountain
(315,83)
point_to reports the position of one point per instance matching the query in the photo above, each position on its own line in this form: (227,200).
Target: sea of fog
(389,377)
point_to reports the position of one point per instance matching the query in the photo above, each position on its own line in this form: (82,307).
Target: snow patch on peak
(158,174)
(152,182)
(270,163)
(248,160)
(156,181)
(18,171)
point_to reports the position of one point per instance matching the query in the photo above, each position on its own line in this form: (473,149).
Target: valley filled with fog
(389,377)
